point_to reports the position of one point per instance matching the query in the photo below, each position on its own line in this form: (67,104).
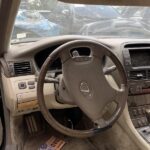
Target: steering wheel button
(75,53)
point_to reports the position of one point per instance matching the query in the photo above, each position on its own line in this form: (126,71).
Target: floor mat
(54,143)
(35,142)
(79,144)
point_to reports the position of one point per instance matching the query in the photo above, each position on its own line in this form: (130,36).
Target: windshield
(46,18)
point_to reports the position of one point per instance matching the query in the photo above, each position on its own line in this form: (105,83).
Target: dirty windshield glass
(46,18)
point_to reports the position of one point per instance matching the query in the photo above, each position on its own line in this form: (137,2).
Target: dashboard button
(31,82)
(22,85)
(140,123)
(134,112)
(31,87)
(143,109)
(140,111)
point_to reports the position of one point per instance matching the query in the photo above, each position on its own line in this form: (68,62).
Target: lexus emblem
(85,89)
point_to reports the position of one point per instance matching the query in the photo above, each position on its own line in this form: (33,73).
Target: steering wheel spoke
(119,93)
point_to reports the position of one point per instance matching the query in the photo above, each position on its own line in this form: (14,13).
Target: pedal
(33,125)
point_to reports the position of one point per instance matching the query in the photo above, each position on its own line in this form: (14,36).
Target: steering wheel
(83,83)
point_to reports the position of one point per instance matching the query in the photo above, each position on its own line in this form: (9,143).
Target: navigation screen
(140,57)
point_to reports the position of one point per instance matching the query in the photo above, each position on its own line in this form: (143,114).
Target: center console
(137,66)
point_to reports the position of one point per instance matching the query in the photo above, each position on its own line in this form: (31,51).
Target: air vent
(22,68)
(134,45)
(137,75)
(148,74)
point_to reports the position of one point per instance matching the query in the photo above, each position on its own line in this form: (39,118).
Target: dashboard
(22,63)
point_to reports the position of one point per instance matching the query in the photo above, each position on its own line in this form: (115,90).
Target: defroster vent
(22,68)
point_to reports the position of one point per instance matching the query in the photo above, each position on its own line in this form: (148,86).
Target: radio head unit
(140,57)
(137,66)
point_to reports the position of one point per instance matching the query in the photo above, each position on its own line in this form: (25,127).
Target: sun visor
(111,2)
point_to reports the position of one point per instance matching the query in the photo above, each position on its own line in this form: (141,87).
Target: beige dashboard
(22,100)
(21,96)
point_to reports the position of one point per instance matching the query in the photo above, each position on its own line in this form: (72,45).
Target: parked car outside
(73,17)
(116,28)
(32,24)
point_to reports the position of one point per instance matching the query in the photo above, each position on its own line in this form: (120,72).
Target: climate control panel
(139,87)
(138,115)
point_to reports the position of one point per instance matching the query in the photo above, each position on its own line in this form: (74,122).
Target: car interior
(71,79)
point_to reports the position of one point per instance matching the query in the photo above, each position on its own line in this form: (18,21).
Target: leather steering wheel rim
(59,52)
